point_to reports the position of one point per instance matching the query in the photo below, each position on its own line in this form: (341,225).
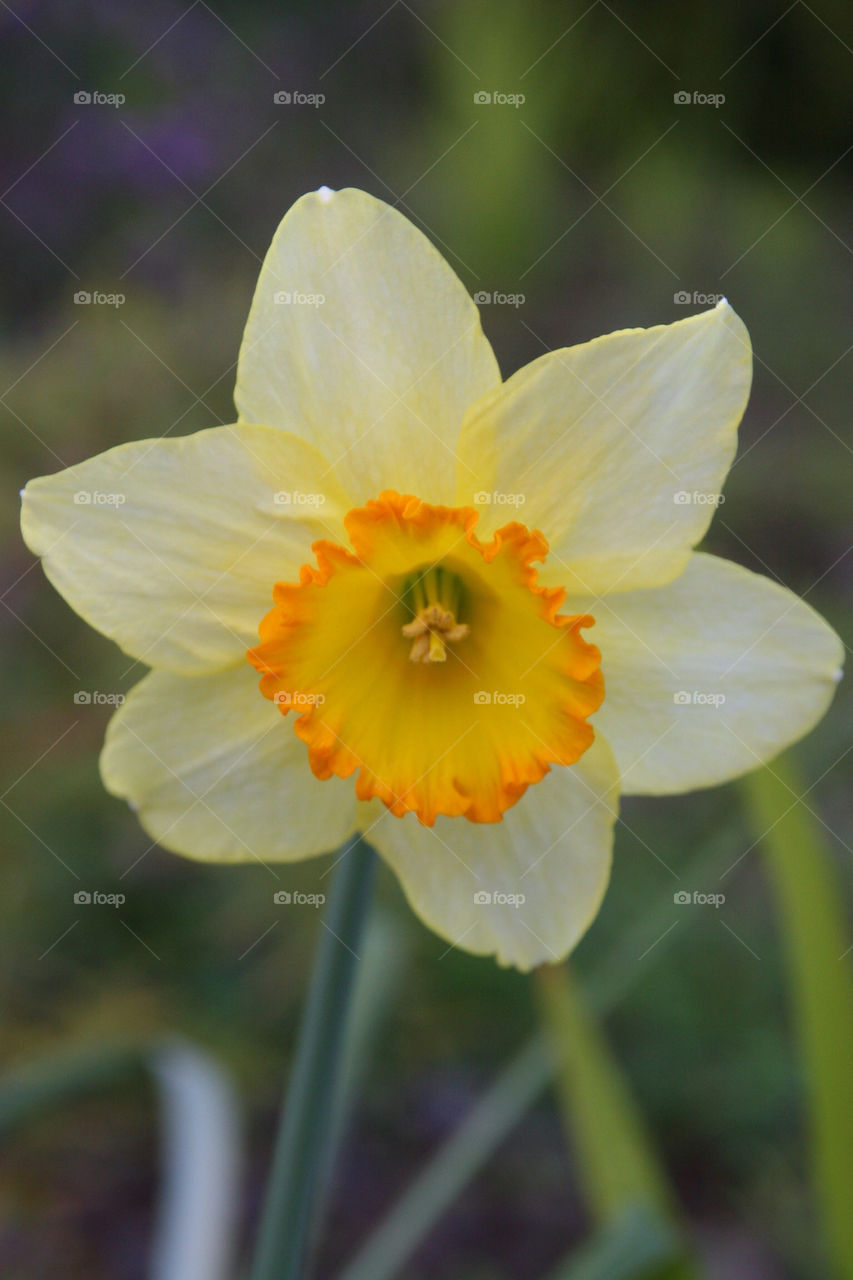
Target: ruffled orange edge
(328,756)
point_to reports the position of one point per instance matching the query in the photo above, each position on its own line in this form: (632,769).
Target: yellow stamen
(432,630)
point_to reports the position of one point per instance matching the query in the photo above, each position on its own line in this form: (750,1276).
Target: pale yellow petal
(709,676)
(616,449)
(543,868)
(362,339)
(171,547)
(216,772)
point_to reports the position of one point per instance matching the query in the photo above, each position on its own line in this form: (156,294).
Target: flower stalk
(305,1144)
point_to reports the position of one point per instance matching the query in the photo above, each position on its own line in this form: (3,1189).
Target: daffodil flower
(416,556)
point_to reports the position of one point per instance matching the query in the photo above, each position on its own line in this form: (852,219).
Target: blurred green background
(604,201)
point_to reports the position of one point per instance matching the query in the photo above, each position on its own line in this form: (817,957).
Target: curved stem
(304,1147)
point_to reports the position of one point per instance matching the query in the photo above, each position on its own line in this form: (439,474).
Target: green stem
(810,904)
(304,1148)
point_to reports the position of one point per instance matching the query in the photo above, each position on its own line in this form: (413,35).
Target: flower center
(434,596)
(495,687)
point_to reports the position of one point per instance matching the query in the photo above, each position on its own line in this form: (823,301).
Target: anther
(432,630)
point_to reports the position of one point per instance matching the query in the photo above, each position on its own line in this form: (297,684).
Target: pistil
(434,595)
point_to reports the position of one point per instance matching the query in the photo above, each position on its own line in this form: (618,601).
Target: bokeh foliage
(659,198)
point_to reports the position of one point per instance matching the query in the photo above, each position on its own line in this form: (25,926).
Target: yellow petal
(709,676)
(215,772)
(615,449)
(170,547)
(552,849)
(374,350)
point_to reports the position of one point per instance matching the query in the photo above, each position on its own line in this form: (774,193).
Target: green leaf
(29,1090)
(615,1157)
(448,1172)
(813,933)
(443,1179)
(639,1233)
(312,1113)
(636,1245)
